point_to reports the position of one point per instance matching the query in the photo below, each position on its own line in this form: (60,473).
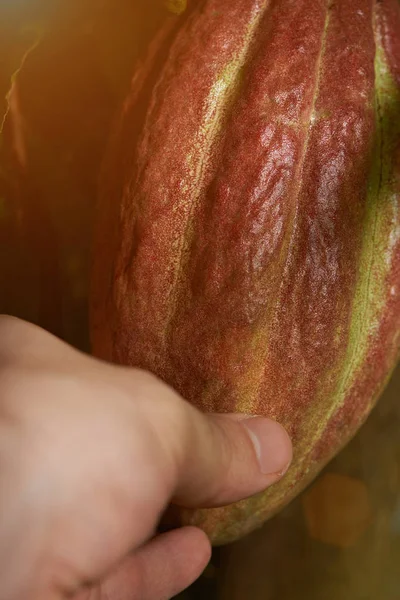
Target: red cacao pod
(248,237)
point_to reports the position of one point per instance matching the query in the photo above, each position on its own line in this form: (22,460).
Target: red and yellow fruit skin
(248,237)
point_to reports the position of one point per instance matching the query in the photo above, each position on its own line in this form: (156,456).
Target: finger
(161,569)
(210,460)
(178,557)
(253,453)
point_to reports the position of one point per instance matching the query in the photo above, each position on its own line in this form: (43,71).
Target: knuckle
(15,335)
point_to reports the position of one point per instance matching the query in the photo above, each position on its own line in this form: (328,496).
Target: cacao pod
(248,237)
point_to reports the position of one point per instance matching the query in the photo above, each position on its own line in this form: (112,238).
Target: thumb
(211,459)
(199,460)
(237,457)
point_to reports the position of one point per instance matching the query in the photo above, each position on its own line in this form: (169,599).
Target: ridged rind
(248,244)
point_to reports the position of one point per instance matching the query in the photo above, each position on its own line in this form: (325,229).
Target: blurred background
(65,68)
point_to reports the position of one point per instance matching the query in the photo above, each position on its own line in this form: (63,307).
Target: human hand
(91,455)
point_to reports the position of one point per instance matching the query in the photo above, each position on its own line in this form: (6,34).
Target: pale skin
(91,455)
